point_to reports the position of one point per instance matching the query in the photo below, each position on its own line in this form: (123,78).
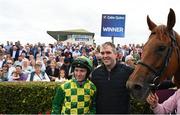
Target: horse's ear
(171,20)
(151,24)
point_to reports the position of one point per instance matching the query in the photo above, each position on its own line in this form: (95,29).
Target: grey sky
(28,20)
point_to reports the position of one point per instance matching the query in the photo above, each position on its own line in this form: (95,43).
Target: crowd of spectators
(38,62)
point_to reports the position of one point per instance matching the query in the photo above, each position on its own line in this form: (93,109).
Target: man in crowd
(18,74)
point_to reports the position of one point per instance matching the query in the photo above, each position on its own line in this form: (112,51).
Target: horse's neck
(177,74)
(178,40)
(178,49)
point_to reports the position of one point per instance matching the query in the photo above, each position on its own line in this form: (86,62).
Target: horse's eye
(161,48)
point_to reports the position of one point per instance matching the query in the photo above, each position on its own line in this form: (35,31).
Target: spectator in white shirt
(38,75)
(76,53)
(11,68)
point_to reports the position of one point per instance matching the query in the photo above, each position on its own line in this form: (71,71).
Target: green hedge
(26,97)
(36,97)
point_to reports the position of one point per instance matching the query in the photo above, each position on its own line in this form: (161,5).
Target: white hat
(129,57)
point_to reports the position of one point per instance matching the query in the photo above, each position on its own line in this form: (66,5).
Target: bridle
(157,74)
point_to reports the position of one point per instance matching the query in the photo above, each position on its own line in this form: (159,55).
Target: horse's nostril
(137,87)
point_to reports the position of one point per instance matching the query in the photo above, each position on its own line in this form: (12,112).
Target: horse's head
(159,60)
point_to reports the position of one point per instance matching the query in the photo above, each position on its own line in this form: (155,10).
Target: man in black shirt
(110,80)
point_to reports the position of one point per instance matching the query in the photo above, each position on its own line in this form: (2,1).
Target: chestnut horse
(160,59)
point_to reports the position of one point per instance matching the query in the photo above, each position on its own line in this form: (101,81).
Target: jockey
(76,96)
